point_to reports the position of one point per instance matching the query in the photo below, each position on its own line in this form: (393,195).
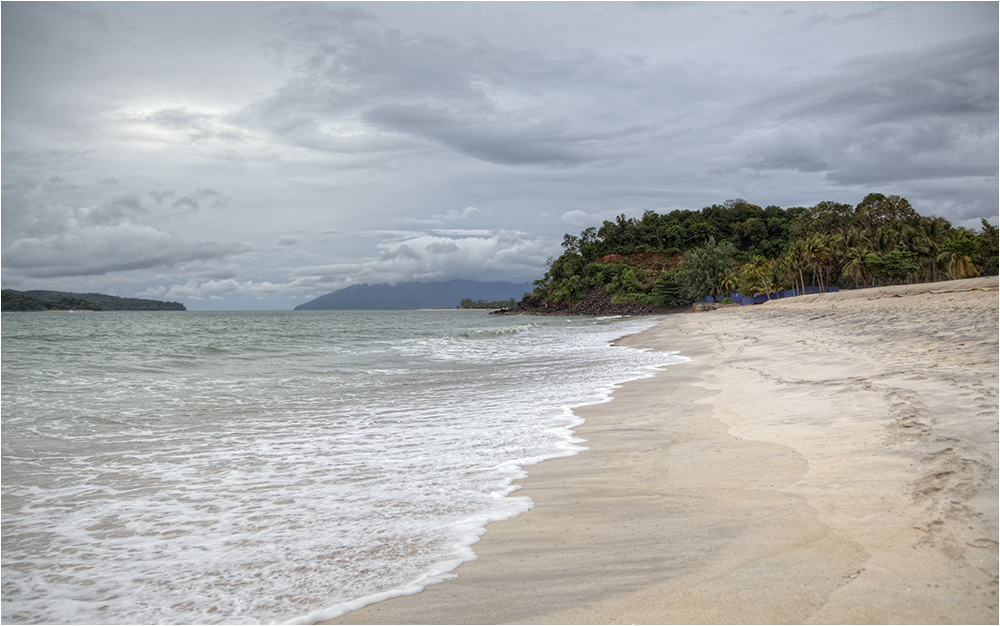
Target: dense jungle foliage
(738,247)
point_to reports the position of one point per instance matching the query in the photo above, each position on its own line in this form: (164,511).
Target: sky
(259,155)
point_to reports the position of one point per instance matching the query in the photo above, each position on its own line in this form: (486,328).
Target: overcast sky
(258,155)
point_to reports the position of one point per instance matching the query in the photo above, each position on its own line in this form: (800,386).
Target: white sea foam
(206,468)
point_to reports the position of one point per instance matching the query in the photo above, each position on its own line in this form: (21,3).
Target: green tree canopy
(738,245)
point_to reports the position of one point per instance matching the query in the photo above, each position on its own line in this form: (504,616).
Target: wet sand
(822,459)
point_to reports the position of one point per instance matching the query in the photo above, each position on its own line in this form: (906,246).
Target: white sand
(824,459)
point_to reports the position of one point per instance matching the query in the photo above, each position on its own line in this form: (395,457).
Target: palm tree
(757,276)
(935,231)
(959,265)
(798,259)
(851,236)
(884,239)
(912,238)
(818,253)
(728,283)
(748,279)
(786,263)
(957,254)
(856,264)
(773,280)
(763,272)
(835,243)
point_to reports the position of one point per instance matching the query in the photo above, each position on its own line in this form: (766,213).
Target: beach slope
(822,459)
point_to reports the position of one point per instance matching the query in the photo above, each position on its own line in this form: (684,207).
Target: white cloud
(502,255)
(457,216)
(442,248)
(104,249)
(214,288)
(193,201)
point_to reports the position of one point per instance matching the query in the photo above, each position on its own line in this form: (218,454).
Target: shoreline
(826,459)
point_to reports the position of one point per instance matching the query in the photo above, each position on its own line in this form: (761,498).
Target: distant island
(40,300)
(417,295)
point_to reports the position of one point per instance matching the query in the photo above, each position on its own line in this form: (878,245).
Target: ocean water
(275,467)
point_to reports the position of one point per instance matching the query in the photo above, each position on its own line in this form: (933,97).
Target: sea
(279,466)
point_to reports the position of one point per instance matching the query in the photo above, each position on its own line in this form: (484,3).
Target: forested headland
(667,260)
(40,300)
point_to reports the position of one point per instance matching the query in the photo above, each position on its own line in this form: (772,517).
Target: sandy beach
(820,459)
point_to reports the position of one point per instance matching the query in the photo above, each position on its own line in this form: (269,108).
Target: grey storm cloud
(194,200)
(883,120)
(57,184)
(160,196)
(280,150)
(114,211)
(496,141)
(352,59)
(46,159)
(97,240)
(447,92)
(958,78)
(99,250)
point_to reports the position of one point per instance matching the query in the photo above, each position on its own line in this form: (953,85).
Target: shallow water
(259,467)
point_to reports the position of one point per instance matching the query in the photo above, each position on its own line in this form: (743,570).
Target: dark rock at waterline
(597,302)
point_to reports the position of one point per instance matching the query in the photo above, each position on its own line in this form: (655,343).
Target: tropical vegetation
(737,247)
(468,303)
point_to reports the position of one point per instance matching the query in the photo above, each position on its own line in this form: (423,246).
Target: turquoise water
(261,467)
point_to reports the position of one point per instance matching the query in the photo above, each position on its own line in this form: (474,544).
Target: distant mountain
(40,300)
(443,295)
